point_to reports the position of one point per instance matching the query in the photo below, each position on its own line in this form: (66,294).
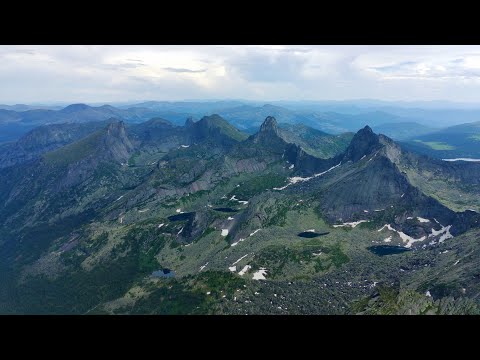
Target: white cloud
(125,73)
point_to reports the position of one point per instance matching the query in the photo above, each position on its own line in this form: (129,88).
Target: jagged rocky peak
(116,140)
(269,125)
(189,122)
(364,143)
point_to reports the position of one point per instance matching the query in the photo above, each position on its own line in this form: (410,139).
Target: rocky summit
(199,217)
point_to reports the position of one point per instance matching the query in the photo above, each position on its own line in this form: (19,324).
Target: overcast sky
(36,74)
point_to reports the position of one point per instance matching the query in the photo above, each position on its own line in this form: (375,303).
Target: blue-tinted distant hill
(460,141)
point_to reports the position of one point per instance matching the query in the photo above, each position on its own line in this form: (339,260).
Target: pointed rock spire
(364,142)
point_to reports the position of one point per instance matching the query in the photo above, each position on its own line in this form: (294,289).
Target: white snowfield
(234,198)
(243,257)
(224,232)
(242,239)
(260,274)
(351,224)
(444,232)
(244,270)
(297,179)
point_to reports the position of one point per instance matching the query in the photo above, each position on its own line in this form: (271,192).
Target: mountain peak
(75,107)
(189,121)
(270,124)
(364,142)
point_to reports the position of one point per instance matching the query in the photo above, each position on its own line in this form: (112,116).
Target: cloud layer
(33,74)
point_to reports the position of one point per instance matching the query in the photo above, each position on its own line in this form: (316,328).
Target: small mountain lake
(182,217)
(311,234)
(164,273)
(382,250)
(226,209)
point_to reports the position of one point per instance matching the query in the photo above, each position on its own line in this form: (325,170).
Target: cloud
(97,73)
(180,70)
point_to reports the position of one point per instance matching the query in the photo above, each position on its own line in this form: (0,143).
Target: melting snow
(402,195)
(242,239)
(352,224)
(185,146)
(260,274)
(456,262)
(365,211)
(243,202)
(142,211)
(428,294)
(317,254)
(203,266)
(232,268)
(180,231)
(409,218)
(224,232)
(159,226)
(310,230)
(422,220)
(120,197)
(296,179)
(291,166)
(363,157)
(230,218)
(244,270)
(178,210)
(236,262)
(388,239)
(208,293)
(380,210)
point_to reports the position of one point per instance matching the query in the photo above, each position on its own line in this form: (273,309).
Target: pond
(311,234)
(382,250)
(164,273)
(182,217)
(225,209)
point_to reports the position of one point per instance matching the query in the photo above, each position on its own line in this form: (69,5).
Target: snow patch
(422,220)
(120,197)
(351,224)
(203,266)
(159,226)
(388,239)
(260,274)
(317,254)
(232,268)
(291,166)
(178,210)
(185,146)
(142,211)
(243,257)
(180,231)
(428,294)
(297,179)
(244,270)
(224,232)
(230,218)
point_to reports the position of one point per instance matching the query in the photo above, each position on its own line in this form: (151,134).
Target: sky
(129,73)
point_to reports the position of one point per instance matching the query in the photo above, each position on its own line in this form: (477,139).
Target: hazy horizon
(43,74)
